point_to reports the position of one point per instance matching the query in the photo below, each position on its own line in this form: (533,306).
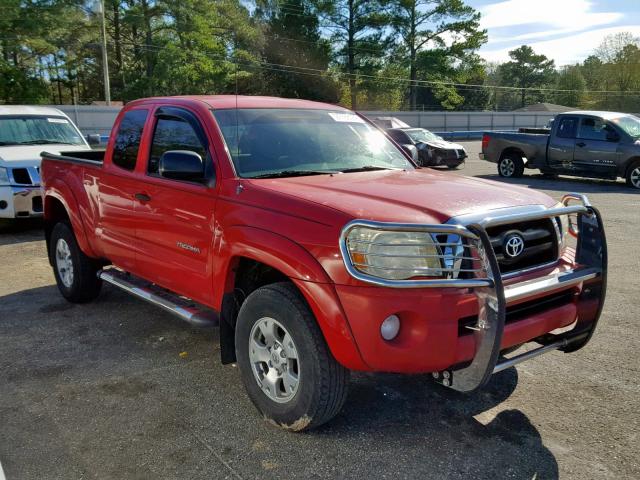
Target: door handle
(580,144)
(143,197)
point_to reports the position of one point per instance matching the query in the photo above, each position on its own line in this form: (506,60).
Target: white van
(25,131)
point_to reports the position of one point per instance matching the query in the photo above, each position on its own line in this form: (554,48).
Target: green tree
(293,38)
(356,27)
(571,80)
(527,70)
(450,26)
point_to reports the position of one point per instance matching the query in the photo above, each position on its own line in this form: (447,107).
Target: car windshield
(289,142)
(630,124)
(422,135)
(38,130)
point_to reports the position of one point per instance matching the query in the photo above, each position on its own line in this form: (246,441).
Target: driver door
(176,217)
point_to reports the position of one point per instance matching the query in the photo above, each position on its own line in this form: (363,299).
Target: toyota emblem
(513,245)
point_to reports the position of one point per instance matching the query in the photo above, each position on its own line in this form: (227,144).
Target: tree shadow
(564,184)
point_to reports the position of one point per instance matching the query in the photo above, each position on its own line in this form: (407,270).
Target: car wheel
(455,167)
(511,166)
(76,274)
(633,174)
(286,366)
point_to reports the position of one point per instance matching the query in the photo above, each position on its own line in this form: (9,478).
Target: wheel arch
(256,258)
(628,164)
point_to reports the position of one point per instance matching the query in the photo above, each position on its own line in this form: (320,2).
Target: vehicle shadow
(19,231)
(459,429)
(564,184)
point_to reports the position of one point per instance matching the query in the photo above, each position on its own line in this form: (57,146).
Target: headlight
(394,255)
(4,176)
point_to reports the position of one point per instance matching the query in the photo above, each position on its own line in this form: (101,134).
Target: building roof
(29,110)
(221,102)
(545,107)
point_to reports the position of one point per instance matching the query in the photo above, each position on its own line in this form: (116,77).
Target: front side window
(567,128)
(127,142)
(38,130)
(173,134)
(284,142)
(593,129)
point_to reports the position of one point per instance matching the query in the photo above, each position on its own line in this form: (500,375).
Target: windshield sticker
(57,120)
(346,117)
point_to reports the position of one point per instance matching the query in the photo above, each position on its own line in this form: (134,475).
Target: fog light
(390,327)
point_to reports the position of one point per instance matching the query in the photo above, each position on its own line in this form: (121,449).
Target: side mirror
(93,139)
(411,150)
(181,165)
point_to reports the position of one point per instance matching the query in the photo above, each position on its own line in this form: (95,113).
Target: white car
(25,131)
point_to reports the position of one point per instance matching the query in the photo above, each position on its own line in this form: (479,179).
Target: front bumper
(430,338)
(20,202)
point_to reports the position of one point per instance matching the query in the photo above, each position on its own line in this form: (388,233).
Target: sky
(565,30)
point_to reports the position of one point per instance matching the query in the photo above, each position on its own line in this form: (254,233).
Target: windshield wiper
(44,141)
(366,168)
(295,173)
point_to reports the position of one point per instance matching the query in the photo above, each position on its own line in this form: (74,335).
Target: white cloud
(567,15)
(566,50)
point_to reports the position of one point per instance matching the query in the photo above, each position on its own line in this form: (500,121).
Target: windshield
(287,142)
(38,130)
(629,123)
(422,135)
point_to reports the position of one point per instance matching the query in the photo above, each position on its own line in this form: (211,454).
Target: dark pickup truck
(580,143)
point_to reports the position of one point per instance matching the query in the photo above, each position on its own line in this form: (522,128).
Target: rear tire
(76,274)
(286,366)
(511,166)
(633,175)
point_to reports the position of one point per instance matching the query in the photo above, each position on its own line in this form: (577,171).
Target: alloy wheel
(274,360)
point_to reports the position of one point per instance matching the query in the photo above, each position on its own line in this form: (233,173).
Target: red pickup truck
(318,247)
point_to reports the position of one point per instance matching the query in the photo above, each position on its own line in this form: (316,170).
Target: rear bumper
(20,202)
(457,331)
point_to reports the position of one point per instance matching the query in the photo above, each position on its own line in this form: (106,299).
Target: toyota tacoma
(318,248)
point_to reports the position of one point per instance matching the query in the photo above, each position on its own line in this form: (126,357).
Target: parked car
(320,248)
(580,143)
(433,151)
(24,132)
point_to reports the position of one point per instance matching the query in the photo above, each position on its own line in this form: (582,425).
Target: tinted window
(173,134)
(399,136)
(567,128)
(125,148)
(593,129)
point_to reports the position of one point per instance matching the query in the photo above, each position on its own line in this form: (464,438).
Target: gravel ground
(106,390)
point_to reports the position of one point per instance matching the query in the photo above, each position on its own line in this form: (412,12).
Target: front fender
(302,268)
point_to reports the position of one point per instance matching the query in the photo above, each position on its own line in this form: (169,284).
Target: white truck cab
(25,131)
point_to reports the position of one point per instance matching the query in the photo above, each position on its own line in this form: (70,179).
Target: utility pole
(105,61)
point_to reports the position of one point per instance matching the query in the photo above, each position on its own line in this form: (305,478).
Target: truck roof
(221,102)
(597,113)
(29,110)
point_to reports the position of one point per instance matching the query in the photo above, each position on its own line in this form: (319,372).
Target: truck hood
(29,155)
(413,196)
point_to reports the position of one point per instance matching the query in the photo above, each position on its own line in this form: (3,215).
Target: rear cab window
(127,141)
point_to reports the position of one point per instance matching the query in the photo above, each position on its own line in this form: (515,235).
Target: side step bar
(181,307)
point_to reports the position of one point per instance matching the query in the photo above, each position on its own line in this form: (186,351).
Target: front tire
(633,175)
(286,366)
(76,274)
(511,166)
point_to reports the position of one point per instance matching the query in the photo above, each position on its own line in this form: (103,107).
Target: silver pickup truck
(580,143)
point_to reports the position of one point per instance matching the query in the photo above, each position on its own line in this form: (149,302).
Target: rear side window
(127,143)
(399,136)
(173,134)
(567,128)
